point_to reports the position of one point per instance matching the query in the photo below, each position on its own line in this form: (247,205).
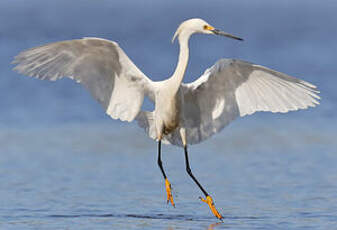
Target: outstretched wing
(98,64)
(233,88)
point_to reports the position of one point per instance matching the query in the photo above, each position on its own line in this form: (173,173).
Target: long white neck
(178,75)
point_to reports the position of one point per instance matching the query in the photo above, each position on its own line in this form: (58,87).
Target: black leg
(160,164)
(167,183)
(188,169)
(208,200)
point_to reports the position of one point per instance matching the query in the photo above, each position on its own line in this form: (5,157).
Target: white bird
(184,113)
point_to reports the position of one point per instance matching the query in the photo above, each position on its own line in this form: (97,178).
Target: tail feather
(145,120)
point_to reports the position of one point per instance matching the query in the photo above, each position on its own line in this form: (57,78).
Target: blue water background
(64,164)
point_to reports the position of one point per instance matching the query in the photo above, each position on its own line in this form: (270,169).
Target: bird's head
(198,25)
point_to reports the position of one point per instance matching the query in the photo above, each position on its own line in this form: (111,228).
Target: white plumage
(229,89)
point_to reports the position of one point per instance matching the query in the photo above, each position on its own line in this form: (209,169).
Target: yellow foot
(169,193)
(211,205)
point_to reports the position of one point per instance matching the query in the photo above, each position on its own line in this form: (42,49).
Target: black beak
(219,32)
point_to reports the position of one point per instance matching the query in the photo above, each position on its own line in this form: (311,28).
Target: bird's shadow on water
(156,216)
(210,219)
(151,216)
(137,216)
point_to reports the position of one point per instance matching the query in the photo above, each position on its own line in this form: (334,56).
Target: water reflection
(212,226)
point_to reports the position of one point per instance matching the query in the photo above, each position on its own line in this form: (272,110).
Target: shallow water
(64,164)
(85,176)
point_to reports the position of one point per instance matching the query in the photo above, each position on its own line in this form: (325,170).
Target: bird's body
(184,113)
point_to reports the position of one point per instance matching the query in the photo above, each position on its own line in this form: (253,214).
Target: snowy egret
(184,113)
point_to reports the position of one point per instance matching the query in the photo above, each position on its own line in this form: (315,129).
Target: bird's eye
(208,27)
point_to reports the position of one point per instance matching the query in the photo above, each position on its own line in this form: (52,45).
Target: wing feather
(233,88)
(98,64)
